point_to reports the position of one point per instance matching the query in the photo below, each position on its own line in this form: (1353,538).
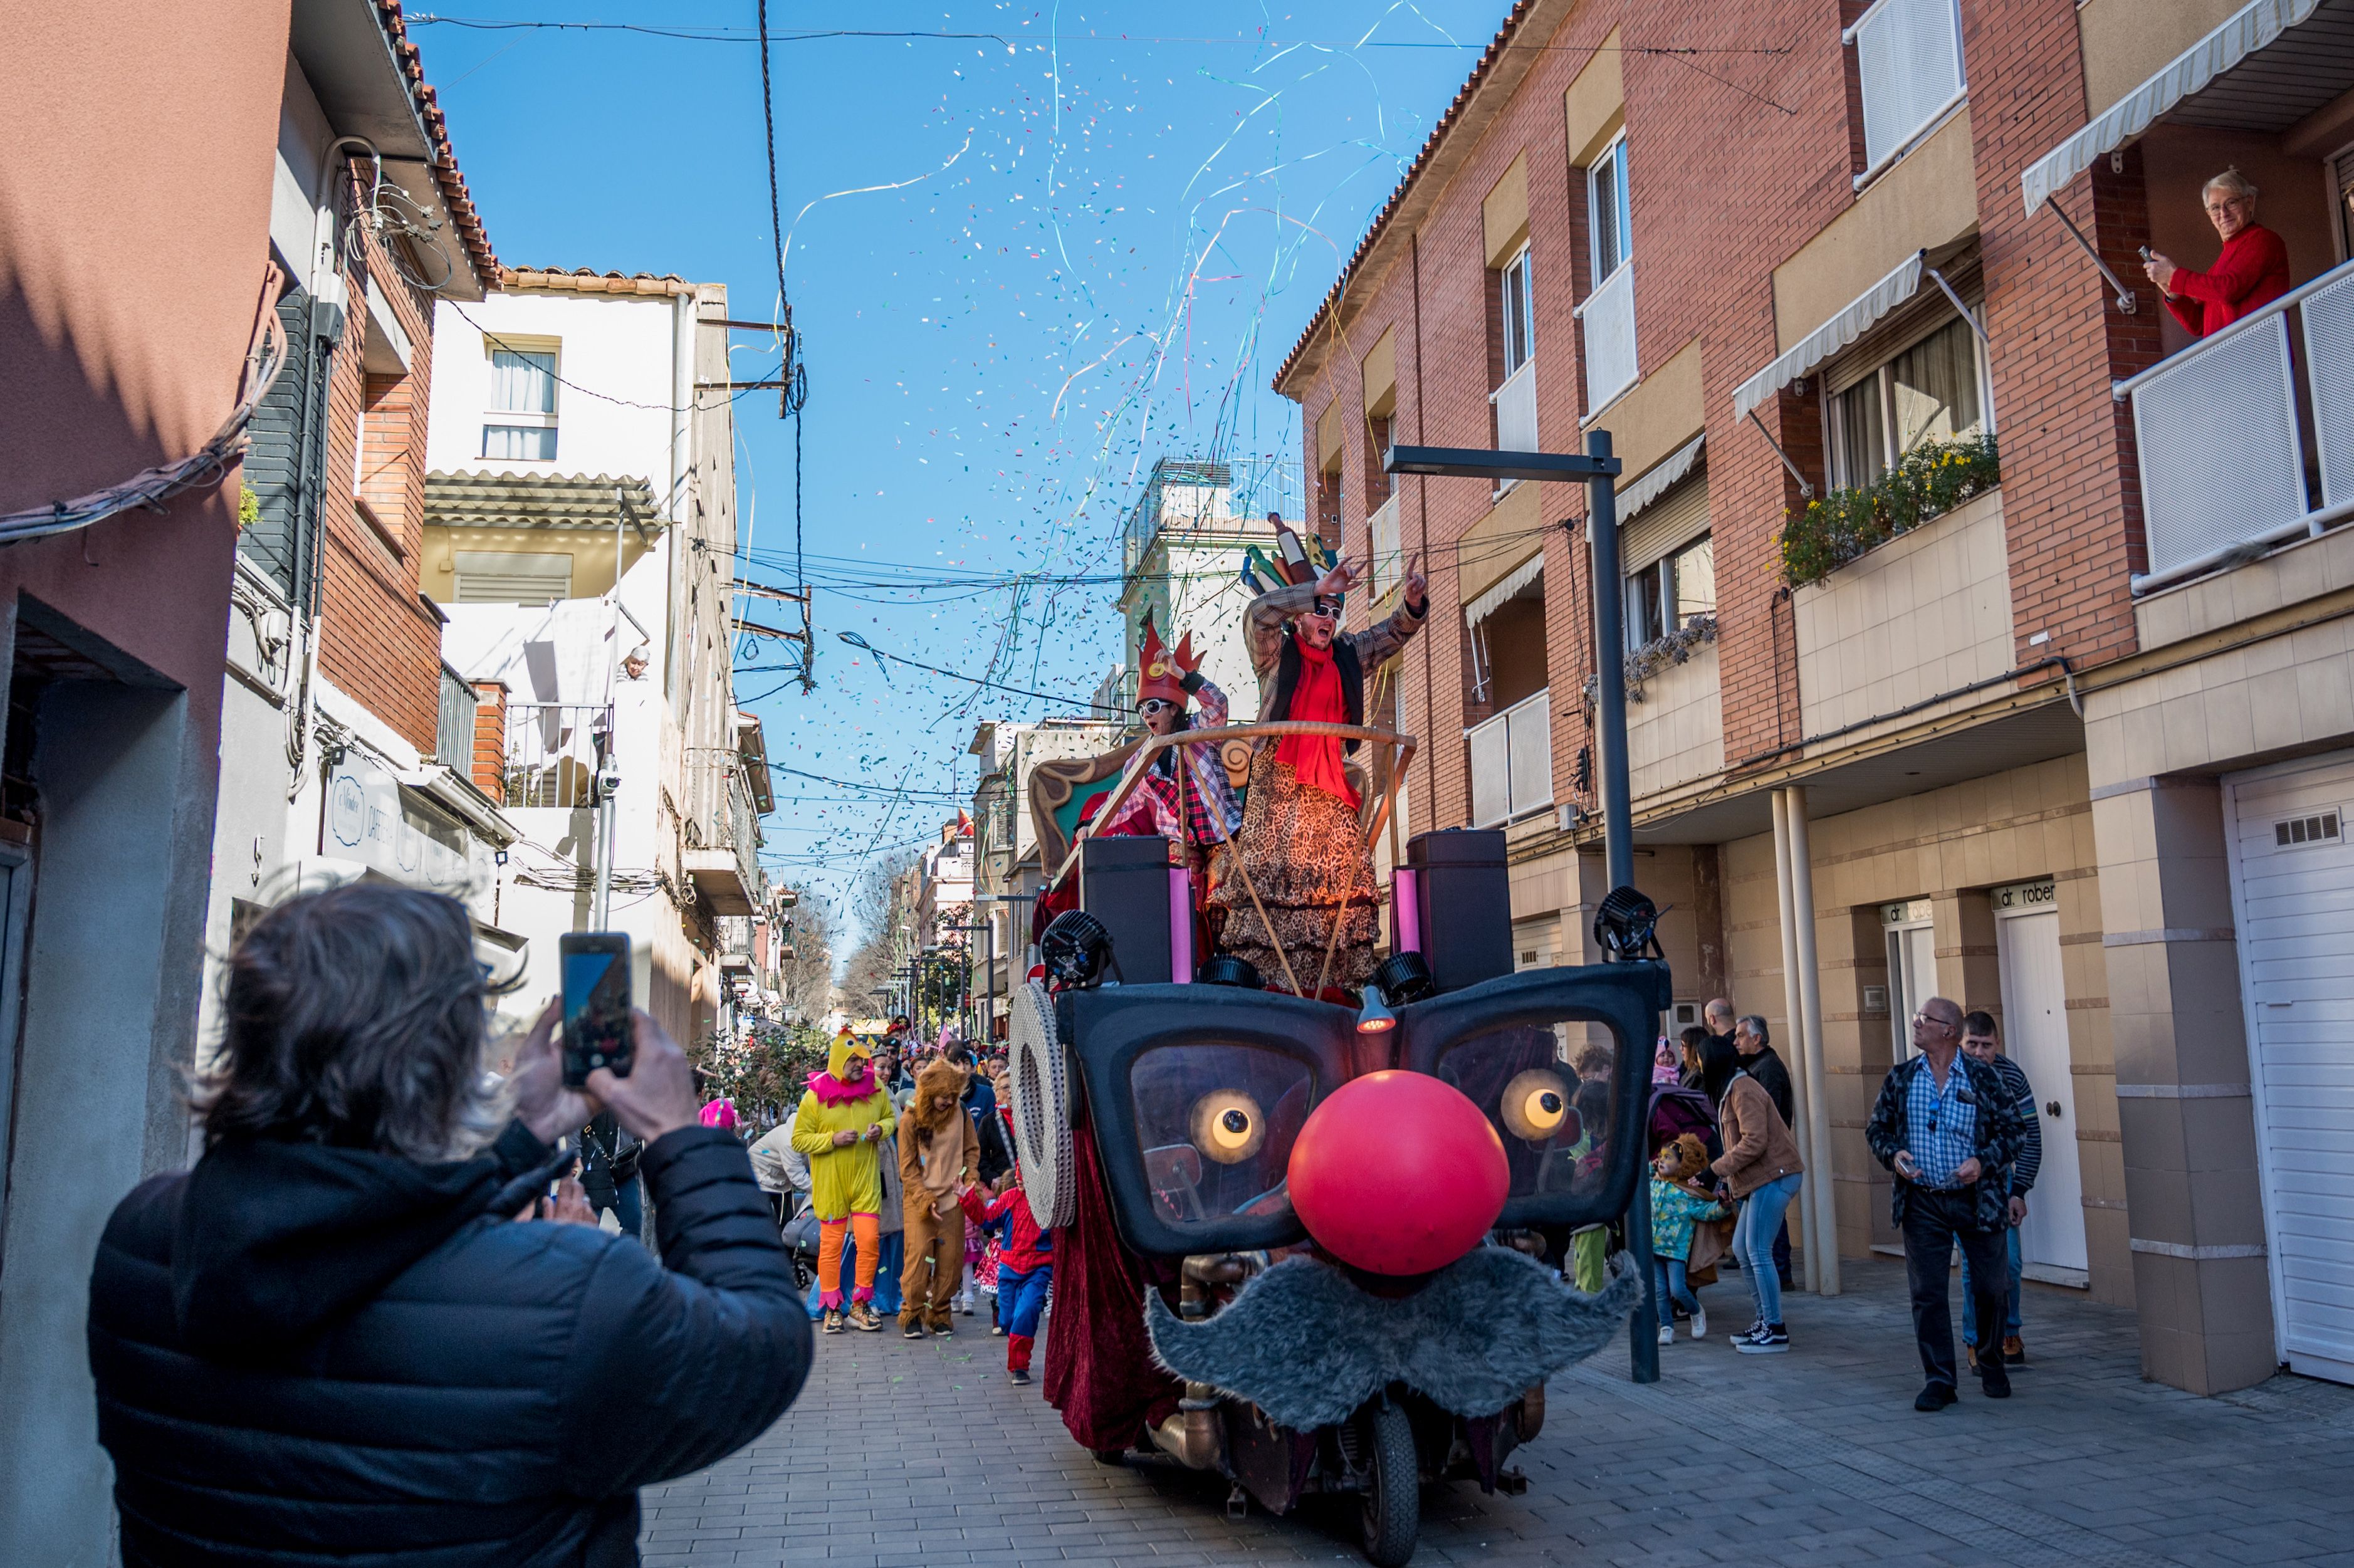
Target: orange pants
(829,1237)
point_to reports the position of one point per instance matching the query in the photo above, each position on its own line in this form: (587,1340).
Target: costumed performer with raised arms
(1183,794)
(1304,858)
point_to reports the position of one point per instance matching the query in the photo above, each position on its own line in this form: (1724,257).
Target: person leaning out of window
(2250,273)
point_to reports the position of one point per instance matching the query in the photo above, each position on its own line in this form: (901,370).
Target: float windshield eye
(1535,1104)
(1228,1127)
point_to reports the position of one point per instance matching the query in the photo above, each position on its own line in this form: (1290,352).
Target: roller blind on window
(500,577)
(1677,518)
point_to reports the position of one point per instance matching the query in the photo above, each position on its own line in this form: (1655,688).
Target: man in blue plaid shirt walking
(1950,1130)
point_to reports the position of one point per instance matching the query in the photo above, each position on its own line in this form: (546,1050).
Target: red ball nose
(1398,1173)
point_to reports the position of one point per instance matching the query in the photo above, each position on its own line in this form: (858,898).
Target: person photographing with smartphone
(380,1360)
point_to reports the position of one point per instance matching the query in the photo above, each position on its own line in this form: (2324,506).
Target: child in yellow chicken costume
(843,1118)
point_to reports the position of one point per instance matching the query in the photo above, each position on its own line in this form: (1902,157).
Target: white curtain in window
(522,383)
(528,443)
(1933,387)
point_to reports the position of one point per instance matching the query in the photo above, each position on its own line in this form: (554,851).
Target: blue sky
(1109,225)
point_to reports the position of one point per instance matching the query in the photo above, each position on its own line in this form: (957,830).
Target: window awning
(2250,28)
(489,499)
(1834,334)
(1511,583)
(1654,484)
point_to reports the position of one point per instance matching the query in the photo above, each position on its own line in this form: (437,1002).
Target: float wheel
(1393,1504)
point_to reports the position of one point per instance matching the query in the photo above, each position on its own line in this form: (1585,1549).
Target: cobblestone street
(922,1453)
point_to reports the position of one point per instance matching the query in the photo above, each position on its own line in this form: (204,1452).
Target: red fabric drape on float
(1318,696)
(1099,1369)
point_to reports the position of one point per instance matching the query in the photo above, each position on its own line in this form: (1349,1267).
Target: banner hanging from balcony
(2251,29)
(1853,323)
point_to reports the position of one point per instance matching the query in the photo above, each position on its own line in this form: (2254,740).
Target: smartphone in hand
(597,1031)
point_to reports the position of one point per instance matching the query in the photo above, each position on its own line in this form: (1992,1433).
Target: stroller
(801,1236)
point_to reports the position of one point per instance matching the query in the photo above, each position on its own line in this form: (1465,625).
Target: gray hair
(1756,1025)
(2232,182)
(355,1018)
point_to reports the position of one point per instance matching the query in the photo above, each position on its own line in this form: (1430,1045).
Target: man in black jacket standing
(339,1335)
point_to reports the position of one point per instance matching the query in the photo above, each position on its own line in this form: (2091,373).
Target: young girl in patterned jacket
(1677,1204)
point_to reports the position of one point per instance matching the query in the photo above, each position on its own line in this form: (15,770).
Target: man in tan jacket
(939,1149)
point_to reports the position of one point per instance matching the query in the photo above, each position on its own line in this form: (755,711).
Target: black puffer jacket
(308,1355)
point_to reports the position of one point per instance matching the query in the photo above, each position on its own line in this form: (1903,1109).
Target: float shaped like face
(1238,1121)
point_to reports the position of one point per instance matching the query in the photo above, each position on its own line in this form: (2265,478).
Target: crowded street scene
(1416,782)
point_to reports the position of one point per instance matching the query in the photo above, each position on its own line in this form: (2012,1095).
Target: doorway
(1912,967)
(2035,1035)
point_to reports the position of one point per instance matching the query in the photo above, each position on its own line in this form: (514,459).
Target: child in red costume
(1025,1265)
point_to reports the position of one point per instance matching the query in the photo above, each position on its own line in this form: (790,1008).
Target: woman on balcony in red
(2250,273)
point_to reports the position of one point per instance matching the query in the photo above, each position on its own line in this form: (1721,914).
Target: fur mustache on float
(1303,1343)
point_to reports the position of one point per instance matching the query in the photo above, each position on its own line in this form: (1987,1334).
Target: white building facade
(580,422)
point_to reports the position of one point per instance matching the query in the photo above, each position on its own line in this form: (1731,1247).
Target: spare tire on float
(1040,1075)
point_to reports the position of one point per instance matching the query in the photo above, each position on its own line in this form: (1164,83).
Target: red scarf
(1317,695)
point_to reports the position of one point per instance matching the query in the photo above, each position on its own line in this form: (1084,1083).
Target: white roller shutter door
(2292,897)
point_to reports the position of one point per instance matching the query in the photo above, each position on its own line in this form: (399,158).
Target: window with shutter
(1909,56)
(502,577)
(285,460)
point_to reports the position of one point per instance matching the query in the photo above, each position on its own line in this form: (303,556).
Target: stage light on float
(1374,1017)
(1626,926)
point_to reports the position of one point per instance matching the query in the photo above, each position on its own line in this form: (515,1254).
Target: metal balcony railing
(744,833)
(552,752)
(454,730)
(1516,409)
(1607,319)
(1511,762)
(2225,469)
(1908,56)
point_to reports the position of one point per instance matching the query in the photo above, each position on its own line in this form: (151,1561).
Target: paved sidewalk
(920,1454)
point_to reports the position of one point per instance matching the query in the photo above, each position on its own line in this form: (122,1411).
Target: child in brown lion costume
(939,1149)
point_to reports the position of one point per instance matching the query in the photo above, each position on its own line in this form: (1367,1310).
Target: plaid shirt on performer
(1209,809)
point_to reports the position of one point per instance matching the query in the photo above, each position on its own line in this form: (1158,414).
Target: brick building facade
(1816,214)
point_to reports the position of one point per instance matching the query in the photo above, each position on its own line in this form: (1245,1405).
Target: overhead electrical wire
(717,35)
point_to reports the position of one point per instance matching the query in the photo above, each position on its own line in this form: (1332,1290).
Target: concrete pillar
(2201,1284)
(1813,1102)
(489,755)
(1793,1021)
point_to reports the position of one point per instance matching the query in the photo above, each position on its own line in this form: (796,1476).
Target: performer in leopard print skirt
(1302,850)
(1306,860)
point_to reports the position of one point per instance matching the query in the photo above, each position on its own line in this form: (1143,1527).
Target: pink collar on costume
(832,1091)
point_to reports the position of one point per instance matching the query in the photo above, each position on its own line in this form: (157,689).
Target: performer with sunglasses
(1301,844)
(1183,794)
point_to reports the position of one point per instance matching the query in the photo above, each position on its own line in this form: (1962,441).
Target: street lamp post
(1598,469)
(989,958)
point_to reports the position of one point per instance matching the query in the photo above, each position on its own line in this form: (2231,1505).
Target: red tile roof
(588,281)
(1438,132)
(454,194)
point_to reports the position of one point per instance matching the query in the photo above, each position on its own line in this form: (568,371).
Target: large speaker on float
(1462,897)
(1124,882)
